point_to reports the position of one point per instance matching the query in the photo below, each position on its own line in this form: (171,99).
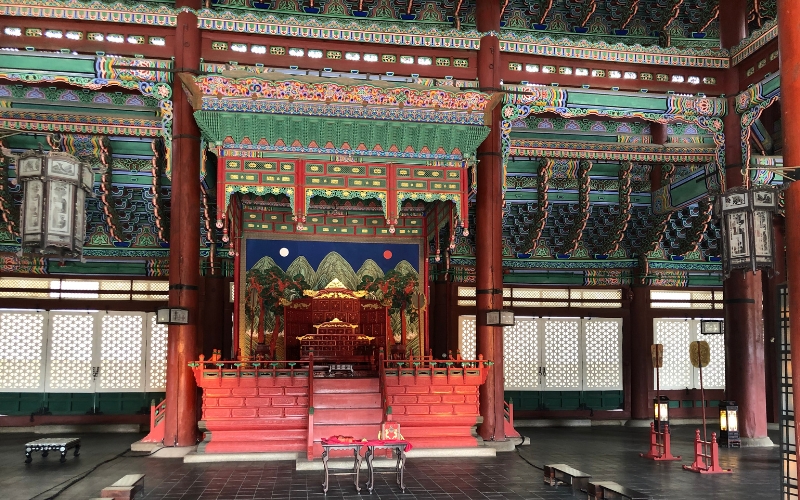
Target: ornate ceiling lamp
(747,232)
(54,187)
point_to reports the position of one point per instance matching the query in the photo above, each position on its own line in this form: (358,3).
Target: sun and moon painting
(277,271)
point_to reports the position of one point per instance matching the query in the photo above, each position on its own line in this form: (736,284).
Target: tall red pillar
(788,20)
(184,256)
(744,326)
(641,332)
(769,284)
(489,227)
(733,22)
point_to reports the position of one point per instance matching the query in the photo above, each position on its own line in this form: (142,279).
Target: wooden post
(184,258)
(489,224)
(788,17)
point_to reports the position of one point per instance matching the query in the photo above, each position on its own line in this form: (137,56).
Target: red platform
(279,406)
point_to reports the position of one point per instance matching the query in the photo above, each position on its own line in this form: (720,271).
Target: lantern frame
(55,186)
(747,233)
(663,402)
(500,317)
(172,316)
(729,434)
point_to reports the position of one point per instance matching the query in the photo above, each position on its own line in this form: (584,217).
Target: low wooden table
(46,445)
(356,447)
(399,448)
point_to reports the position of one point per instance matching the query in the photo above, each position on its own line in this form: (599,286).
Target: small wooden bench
(562,473)
(125,488)
(602,490)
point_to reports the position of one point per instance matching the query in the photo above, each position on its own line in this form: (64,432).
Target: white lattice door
(122,342)
(467,337)
(674,335)
(602,354)
(521,354)
(71,348)
(22,349)
(156,355)
(562,354)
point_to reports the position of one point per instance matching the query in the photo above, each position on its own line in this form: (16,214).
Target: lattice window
(121,352)
(467,336)
(70,361)
(602,359)
(150,286)
(562,354)
(714,373)
(604,298)
(21,346)
(674,336)
(24,287)
(521,354)
(157,356)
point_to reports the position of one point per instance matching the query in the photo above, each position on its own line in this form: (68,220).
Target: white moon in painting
(284,252)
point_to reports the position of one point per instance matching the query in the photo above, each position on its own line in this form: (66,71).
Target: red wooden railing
(157,414)
(310,442)
(508,411)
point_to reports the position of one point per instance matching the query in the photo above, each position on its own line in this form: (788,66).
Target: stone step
(261,435)
(360,431)
(346,385)
(338,416)
(346,401)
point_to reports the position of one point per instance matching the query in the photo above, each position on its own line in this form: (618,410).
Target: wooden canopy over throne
(339,325)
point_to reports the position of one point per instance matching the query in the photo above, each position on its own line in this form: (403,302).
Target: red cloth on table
(370,442)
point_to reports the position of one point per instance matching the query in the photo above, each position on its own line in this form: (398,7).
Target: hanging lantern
(54,190)
(747,233)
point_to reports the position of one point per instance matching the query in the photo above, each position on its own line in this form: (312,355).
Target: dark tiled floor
(606,453)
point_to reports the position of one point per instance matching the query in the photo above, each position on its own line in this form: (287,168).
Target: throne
(337,324)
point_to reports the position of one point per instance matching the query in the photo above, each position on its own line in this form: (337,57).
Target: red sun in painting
(387,254)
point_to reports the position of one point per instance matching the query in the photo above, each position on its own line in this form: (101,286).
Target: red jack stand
(659,445)
(706,463)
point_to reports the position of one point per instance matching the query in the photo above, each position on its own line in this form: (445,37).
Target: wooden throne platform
(337,324)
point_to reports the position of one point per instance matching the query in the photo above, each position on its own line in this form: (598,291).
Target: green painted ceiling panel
(612,100)
(701,280)
(88,110)
(98,268)
(529,134)
(550,278)
(561,197)
(138,147)
(216,126)
(771,86)
(604,170)
(54,63)
(520,195)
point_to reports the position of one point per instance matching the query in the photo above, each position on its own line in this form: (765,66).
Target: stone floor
(608,453)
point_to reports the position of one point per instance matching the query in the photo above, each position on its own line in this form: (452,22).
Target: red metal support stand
(706,463)
(660,447)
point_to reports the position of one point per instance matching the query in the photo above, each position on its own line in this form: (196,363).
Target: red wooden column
(769,283)
(788,19)
(744,327)
(733,22)
(641,332)
(489,229)
(184,255)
